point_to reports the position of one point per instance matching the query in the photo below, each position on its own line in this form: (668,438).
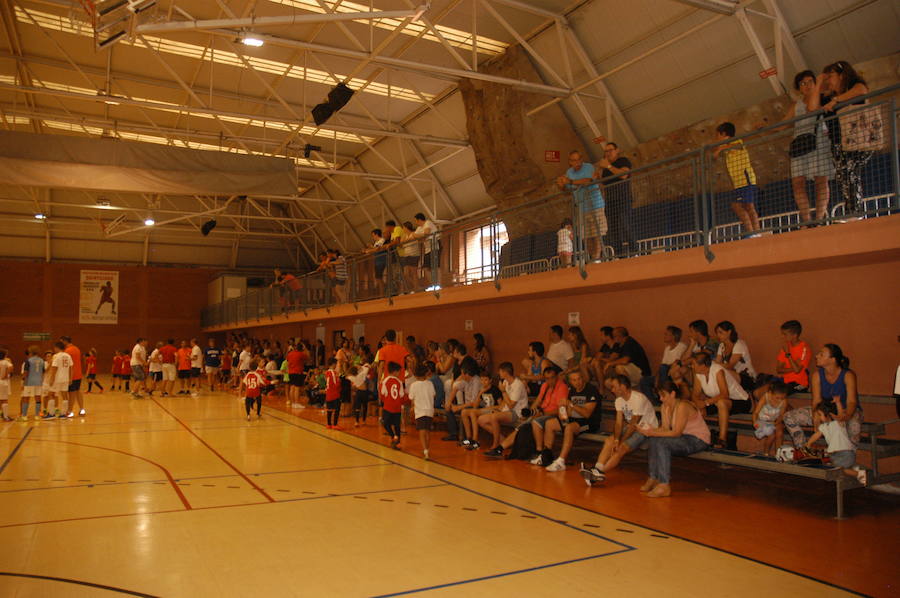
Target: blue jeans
(662,449)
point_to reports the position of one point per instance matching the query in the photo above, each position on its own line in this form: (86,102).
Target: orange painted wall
(153,303)
(842,283)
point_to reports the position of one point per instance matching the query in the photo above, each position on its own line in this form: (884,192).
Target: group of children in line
(46,381)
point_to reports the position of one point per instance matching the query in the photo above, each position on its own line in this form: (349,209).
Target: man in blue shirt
(589,201)
(212,360)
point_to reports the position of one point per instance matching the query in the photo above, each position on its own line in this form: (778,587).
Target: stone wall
(509,146)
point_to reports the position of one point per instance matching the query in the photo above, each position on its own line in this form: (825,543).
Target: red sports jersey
(226,360)
(254,383)
(393,394)
(168,353)
(117,364)
(91,364)
(332,386)
(126,366)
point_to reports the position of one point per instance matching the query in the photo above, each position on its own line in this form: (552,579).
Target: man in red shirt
(391,352)
(183,361)
(296,358)
(393,395)
(167,355)
(75,383)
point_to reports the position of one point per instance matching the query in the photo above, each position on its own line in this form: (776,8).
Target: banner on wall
(99,297)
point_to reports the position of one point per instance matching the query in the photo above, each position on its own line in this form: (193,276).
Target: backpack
(523,448)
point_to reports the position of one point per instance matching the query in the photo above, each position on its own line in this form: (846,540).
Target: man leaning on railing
(590,200)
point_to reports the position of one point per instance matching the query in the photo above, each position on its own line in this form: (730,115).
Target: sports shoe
(22,418)
(425,455)
(473,445)
(395,443)
(165,394)
(248,417)
(82,413)
(557,465)
(48,416)
(862,477)
(466,443)
(539,460)
(494,452)
(592,475)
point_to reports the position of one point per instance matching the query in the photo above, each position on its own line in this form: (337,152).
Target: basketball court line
(454,484)
(15,450)
(641,526)
(215,452)
(79,582)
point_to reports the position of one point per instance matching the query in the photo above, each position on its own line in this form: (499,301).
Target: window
(480,252)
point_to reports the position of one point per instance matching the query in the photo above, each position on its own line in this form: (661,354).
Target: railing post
(494,258)
(706,208)
(580,197)
(435,258)
(895,149)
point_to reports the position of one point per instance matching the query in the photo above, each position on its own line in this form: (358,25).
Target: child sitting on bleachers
(840,449)
(767,416)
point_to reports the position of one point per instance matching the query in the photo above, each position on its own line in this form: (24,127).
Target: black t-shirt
(635,352)
(492,396)
(580,398)
(605,350)
(468,359)
(620,162)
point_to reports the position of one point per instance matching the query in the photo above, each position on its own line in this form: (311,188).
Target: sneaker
(473,445)
(48,416)
(557,465)
(466,443)
(21,418)
(592,475)
(494,452)
(425,455)
(248,417)
(82,413)
(395,443)
(165,394)
(538,460)
(862,477)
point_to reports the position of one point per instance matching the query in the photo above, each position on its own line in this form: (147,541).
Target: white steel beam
(249,22)
(759,50)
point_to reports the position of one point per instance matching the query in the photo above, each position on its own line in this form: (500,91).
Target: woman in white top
(734,354)
(816,162)
(673,350)
(718,391)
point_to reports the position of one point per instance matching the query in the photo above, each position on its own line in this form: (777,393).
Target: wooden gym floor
(184,497)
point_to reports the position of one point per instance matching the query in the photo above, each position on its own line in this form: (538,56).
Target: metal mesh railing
(699,198)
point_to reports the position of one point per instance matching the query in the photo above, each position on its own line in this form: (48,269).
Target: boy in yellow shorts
(737,162)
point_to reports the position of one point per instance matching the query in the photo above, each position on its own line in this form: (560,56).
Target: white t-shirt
(155,361)
(517,392)
(673,354)
(6,367)
(638,404)
(560,353)
(138,355)
(836,436)
(421,393)
(63,363)
(426,231)
(745,363)
(711,387)
(196,356)
(360,378)
(244,360)
(564,241)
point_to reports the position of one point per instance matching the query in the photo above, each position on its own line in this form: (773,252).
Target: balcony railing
(676,203)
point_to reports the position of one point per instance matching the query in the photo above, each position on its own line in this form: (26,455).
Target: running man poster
(99,298)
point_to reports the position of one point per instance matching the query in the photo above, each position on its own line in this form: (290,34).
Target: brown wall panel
(153,302)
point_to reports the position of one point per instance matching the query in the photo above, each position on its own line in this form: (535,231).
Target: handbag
(862,129)
(802,145)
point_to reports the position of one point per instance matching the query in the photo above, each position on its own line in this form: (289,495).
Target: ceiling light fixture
(40,216)
(249,39)
(149,221)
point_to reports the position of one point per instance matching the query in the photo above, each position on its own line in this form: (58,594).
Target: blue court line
(205,477)
(506,574)
(625,547)
(15,450)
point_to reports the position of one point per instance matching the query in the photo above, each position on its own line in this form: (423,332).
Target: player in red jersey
(393,397)
(253,384)
(117,370)
(90,367)
(125,376)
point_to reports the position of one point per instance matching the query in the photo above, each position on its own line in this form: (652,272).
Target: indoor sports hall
(460,297)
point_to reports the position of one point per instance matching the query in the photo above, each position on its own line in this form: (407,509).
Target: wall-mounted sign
(469,325)
(98,297)
(35,336)
(551,156)
(769,72)
(574,318)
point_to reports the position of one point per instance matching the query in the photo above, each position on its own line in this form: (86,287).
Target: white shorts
(211,371)
(4,391)
(31,391)
(60,387)
(168,371)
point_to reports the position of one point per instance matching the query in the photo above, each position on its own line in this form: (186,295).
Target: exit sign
(769,72)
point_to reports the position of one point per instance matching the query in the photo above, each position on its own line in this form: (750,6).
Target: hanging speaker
(339,96)
(321,113)
(208,226)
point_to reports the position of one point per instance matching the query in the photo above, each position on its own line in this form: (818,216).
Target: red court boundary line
(181,496)
(215,452)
